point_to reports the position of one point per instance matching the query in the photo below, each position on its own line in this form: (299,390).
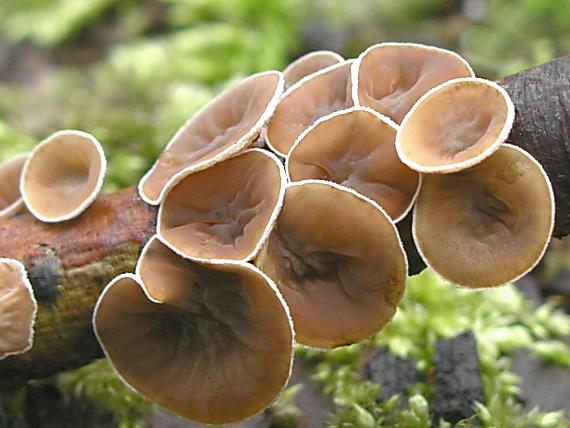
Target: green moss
(502,321)
(99,383)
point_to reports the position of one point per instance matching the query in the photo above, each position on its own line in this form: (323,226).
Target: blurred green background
(132,71)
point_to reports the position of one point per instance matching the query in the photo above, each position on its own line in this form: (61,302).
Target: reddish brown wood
(68,265)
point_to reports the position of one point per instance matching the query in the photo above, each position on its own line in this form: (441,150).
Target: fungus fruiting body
(356,148)
(205,327)
(391,77)
(213,344)
(487,225)
(455,125)
(18,309)
(227,125)
(338,261)
(312,97)
(63,176)
(224,212)
(10,197)
(309,64)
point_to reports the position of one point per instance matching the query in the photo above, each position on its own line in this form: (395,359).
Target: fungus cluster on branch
(254,254)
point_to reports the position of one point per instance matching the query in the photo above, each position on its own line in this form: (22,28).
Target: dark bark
(542,126)
(70,263)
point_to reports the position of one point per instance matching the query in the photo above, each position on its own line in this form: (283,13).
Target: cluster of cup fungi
(252,257)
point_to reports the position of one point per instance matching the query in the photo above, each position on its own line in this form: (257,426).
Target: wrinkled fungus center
(222,212)
(213,319)
(488,215)
(308,268)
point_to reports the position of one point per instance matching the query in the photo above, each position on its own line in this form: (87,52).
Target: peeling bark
(70,263)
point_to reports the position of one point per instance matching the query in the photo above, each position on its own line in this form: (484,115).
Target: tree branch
(70,263)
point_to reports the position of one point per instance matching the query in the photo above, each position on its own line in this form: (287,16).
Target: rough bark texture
(542,126)
(70,263)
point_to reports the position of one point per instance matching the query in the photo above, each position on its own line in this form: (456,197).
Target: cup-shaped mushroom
(338,261)
(391,77)
(224,127)
(10,197)
(210,344)
(309,64)
(18,309)
(315,96)
(356,148)
(63,176)
(487,225)
(224,212)
(455,126)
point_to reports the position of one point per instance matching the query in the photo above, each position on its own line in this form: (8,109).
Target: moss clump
(502,320)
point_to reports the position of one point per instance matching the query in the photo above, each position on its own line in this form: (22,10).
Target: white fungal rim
(266,232)
(396,234)
(19,266)
(18,204)
(92,196)
(458,166)
(385,119)
(531,266)
(355,69)
(297,86)
(137,280)
(320,53)
(236,147)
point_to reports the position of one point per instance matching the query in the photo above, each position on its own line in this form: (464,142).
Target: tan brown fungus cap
(18,309)
(455,126)
(338,261)
(391,77)
(10,197)
(210,344)
(487,225)
(224,212)
(309,64)
(63,176)
(356,148)
(312,97)
(227,124)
